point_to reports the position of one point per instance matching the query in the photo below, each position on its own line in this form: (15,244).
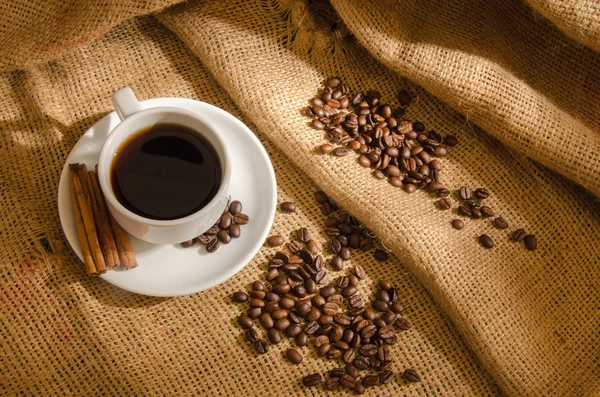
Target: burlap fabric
(530,317)
(498,63)
(580,19)
(63,333)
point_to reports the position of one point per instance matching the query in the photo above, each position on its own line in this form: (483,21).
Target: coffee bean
(443,204)
(349,291)
(380,255)
(266,321)
(340,152)
(370,380)
(359,271)
(286,303)
(464,210)
(465,193)
(476,213)
(323,349)
(519,235)
(434,186)
(254,312)
(345,253)
(379,305)
(410,188)
(368,350)
(458,224)
(349,356)
(487,211)
(332,384)
(239,297)
(395,181)
(411,375)
(378,174)
(334,246)
(203,239)
(293,356)
(287,206)
(301,339)
(257,294)
(275,241)
(359,388)
(213,245)
(245,321)
(486,241)
(251,335)
(473,202)
(293,330)
(312,380)
(482,193)
(189,243)
(282,324)
(234,230)
(402,323)
(501,223)
(224,237)
(404,98)
(386,377)
(386,332)
(396,307)
(310,286)
(530,242)
(241,219)
(330,308)
(261,346)
(318,301)
(225,221)
(316,124)
(212,231)
(348,381)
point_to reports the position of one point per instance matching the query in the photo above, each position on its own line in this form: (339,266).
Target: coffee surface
(165,172)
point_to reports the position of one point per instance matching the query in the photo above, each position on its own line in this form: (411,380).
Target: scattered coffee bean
(239,297)
(332,384)
(402,323)
(530,242)
(235,207)
(234,231)
(500,223)
(486,211)
(293,356)
(213,245)
(482,193)
(312,380)
(443,204)
(275,241)
(359,388)
(465,193)
(340,152)
(486,241)
(189,243)
(370,380)
(288,206)
(326,148)
(381,255)
(223,236)
(464,210)
(241,219)
(519,235)
(245,321)
(386,377)
(411,375)
(261,346)
(458,224)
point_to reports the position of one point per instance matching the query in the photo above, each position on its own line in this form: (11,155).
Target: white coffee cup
(134,119)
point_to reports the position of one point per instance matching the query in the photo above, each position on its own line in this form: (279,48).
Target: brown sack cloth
(33,31)
(63,333)
(531,317)
(499,64)
(580,19)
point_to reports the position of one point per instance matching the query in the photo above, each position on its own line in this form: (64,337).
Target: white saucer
(169,270)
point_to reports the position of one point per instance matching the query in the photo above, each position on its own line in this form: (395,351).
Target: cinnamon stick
(103,228)
(88,261)
(85,208)
(124,248)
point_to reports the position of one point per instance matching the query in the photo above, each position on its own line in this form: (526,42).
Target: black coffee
(165,172)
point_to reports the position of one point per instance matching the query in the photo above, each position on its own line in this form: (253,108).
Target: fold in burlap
(580,19)
(504,68)
(531,317)
(34,31)
(63,333)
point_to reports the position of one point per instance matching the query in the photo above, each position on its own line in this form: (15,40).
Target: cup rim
(123,124)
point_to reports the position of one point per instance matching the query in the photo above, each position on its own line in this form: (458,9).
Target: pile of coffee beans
(395,148)
(300,301)
(227,228)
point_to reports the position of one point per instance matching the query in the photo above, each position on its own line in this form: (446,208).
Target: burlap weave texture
(63,333)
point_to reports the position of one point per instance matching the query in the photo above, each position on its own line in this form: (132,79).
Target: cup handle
(125,103)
